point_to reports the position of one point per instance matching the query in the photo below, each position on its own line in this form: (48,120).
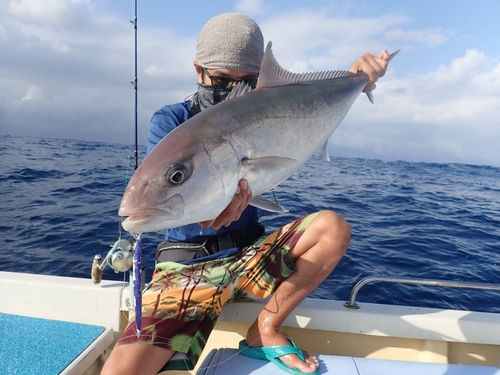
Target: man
(203,266)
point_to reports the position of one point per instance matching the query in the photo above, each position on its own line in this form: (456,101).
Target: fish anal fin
(323,151)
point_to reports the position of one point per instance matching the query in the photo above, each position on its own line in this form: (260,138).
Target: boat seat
(49,347)
(229,362)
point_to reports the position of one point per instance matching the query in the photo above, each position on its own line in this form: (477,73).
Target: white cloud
(446,115)
(3,32)
(34,93)
(430,37)
(250,7)
(44,13)
(315,40)
(72,78)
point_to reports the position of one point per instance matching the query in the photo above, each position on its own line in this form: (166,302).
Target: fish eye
(177,177)
(177,174)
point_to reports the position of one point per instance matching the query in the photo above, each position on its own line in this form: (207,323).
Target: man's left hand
(373,66)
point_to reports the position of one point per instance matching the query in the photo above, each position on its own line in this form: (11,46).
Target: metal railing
(351,304)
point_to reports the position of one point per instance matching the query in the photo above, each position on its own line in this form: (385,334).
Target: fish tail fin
(370,93)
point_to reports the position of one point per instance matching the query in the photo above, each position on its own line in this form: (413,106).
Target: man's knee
(335,229)
(136,358)
(113,368)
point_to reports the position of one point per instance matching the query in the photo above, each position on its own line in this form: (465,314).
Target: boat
(43,318)
(62,325)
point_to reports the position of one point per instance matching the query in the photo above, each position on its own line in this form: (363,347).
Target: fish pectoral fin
(266,204)
(269,163)
(323,151)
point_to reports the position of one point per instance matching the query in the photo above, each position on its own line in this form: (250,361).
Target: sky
(66,68)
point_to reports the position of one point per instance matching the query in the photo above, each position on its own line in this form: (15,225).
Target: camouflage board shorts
(182,303)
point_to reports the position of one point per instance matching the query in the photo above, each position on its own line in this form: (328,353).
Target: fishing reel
(120,258)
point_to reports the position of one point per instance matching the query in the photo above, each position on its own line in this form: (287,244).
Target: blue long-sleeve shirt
(163,122)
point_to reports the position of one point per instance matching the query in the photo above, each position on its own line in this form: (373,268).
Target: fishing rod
(125,254)
(134,83)
(136,274)
(120,257)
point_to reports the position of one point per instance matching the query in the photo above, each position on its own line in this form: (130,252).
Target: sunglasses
(221,82)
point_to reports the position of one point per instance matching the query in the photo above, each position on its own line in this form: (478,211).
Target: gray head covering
(231,41)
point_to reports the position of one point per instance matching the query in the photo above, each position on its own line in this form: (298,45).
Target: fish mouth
(164,216)
(143,224)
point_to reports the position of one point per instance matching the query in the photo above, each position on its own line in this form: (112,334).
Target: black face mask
(207,96)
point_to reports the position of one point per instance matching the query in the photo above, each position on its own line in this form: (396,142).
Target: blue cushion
(41,346)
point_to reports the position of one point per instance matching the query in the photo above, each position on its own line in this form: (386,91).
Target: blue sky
(66,67)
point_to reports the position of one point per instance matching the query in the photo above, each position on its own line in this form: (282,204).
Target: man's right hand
(233,211)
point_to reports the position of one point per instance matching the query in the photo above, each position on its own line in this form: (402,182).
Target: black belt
(242,238)
(180,251)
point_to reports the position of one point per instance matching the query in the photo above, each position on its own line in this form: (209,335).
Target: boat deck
(229,362)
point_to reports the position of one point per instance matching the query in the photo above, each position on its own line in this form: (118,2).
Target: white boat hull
(319,326)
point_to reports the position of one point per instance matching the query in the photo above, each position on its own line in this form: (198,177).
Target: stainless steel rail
(351,304)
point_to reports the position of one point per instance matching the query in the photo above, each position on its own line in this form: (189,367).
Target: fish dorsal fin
(272,74)
(240,89)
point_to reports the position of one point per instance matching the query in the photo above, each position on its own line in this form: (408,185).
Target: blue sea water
(59,201)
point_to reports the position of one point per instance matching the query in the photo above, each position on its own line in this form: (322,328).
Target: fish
(263,135)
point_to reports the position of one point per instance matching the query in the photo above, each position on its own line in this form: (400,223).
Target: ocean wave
(412,220)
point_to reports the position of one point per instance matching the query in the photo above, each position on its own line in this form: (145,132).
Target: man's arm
(160,125)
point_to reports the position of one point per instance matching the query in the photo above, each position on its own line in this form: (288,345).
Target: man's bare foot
(255,339)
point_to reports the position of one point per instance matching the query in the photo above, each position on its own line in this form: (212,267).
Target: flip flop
(272,354)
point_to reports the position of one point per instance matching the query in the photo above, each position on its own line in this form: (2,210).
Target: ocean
(408,220)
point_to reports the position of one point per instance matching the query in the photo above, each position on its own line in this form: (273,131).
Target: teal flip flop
(272,354)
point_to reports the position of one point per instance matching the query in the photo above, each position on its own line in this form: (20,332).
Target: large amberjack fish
(262,135)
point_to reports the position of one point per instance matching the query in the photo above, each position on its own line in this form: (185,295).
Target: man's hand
(233,211)
(373,66)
